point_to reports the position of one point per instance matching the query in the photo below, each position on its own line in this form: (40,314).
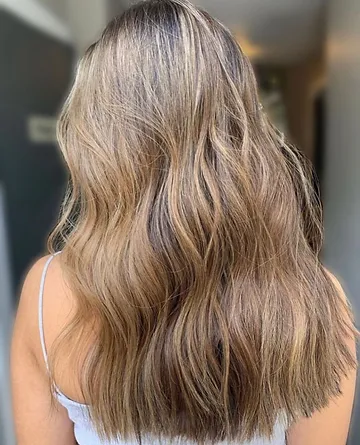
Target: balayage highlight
(190,236)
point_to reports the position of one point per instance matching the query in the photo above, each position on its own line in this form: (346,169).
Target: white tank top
(84,431)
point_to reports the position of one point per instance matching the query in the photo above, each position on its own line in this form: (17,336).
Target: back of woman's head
(191,234)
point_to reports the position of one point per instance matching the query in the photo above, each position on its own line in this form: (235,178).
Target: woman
(188,302)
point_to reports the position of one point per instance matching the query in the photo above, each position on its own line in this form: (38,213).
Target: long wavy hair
(190,236)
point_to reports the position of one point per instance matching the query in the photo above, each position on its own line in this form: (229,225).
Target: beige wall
(87,18)
(342,166)
(302,82)
(342,163)
(58,7)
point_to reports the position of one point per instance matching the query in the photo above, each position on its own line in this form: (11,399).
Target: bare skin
(38,421)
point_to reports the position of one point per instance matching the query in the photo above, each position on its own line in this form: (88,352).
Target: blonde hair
(190,234)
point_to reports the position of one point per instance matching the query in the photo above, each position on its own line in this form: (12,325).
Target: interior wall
(57,7)
(40,15)
(342,157)
(302,82)
(35,59)
(115,7)
(6,317)
(87,19)
(84,20)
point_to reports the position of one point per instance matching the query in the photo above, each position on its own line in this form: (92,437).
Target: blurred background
(307,58)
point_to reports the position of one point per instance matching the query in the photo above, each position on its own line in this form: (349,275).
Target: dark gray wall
(34,77)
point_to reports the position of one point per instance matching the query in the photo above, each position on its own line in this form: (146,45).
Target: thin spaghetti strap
(41,319)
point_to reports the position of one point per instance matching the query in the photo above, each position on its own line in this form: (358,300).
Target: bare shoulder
(53,279)
(32,402)
(58,304)
(58,309)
